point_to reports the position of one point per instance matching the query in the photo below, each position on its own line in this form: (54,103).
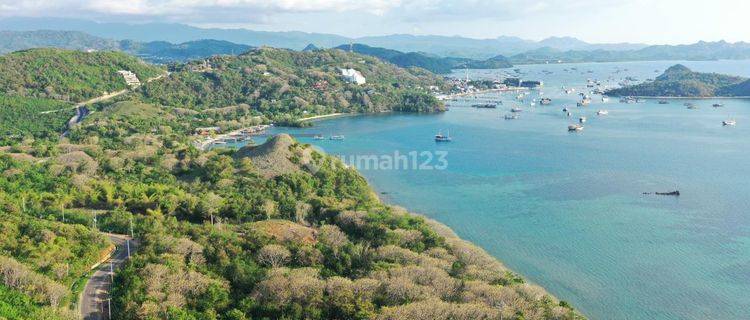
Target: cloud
(187,10)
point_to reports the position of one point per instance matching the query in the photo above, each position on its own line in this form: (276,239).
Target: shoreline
(686,98)
(326,116)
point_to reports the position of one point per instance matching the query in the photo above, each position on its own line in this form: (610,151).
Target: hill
(21,40)
(68,75)
(425,61)
(281,83)
(165,52)
(679,81)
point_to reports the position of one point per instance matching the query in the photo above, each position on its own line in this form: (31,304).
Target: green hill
(281,83)
(67,75)
(679,81)
(429,62)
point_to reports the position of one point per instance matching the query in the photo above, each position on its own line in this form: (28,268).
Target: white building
(130,78)
(353,76)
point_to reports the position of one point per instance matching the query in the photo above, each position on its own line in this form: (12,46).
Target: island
(680,81)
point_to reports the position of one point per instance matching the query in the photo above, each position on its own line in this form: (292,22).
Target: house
(353,76)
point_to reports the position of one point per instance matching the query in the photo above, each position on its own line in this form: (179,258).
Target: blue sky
(655,22)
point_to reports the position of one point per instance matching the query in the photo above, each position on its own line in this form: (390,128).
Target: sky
(598,21)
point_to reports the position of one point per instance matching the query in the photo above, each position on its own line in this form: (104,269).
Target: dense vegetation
(277,231)
(679,81)
(67,75)
(280,83)
(432,63)
(22,117)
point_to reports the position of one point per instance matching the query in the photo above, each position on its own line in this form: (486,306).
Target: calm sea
(567,210)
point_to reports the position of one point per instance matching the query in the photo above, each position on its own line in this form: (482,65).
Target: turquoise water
(566,210)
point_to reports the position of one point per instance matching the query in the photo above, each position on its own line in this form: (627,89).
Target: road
(93,301)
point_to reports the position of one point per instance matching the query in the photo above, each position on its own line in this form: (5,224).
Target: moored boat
(336,137)
(730,122)
(582,119)
(575,127)
(602,112)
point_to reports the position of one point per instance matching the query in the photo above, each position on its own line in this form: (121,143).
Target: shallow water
(566,210)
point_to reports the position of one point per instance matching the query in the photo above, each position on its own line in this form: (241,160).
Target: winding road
(94,298)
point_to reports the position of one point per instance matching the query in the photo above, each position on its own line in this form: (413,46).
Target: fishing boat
(511,117)
(575,127)
(582,119)
(729,122)
(602,112)
(516,109)
(336,137)
(440,137)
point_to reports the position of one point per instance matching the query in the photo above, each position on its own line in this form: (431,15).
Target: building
(353,76)
(130,78)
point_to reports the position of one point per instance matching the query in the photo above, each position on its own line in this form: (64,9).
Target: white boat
(532,104)
(511,117)
(569,114)
(605,99)
(602,112)
(729,122)
(318,137)
(575,127)
(717,105)
(336,137)
(516,110)
(545,101)
(440,137)
(582,119)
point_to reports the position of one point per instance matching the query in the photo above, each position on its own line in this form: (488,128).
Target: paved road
(93,303)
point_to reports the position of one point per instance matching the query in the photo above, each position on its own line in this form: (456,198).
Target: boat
(605,99)
(729,122)
(219,142)
(318,137)
(565,110)
(688,104)
(532,104)
(516,110)
(582,119)
(717,105)
(584,102)
(545,101)
(440,137)
(511,117)
(485,106)
(602,112)
(568,114)
(336,137)
(663,102)
(575,127)
(692,107)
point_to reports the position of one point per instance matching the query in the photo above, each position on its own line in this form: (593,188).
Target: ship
(440,137)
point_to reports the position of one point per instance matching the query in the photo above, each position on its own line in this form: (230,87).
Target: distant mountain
(20,40)
(679,81)
(697,51)
(432,63)
(311,47)
(446,46)
(162,51)
(156,51)
(175,33)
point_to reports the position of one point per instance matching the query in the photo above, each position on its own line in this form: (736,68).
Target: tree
(273,255)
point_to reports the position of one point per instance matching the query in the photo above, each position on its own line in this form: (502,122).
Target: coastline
(687,98)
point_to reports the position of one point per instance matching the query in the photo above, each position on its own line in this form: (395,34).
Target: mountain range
(155,51)
(446,46)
